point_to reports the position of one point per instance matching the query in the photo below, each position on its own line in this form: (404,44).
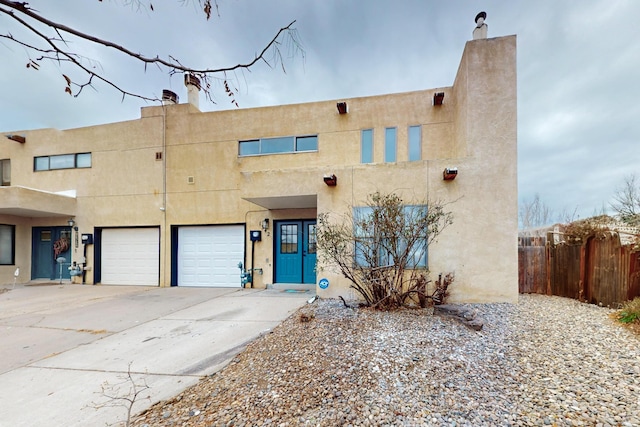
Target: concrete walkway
(65,348)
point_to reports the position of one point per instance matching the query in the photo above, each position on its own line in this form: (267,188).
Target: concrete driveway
(65,348)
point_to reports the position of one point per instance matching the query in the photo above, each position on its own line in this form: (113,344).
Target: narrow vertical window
(366,146)
(415,143)
(7,244)
(5,172)
(390,145)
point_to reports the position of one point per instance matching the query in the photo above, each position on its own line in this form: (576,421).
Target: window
(312,241)
(276,145)
(5,172)
(371,248)
(366,146)
(289,239)
(285,144)
(415,143)
(307,143)
(83,160)
(7,244)
(249,148)
(62,161)
(390,145)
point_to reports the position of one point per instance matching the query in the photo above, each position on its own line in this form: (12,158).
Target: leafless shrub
(381,248)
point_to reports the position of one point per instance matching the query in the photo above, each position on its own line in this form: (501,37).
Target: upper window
(62,161)
(7,244)
(285,144)
(5,172)
(415,143)
(366,146)
(390,145)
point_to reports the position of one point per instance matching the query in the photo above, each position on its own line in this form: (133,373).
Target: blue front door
(48,244)
(295,252)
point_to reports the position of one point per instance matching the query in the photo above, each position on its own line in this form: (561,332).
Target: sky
(578,66)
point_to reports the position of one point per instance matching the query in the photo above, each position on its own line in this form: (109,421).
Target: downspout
(164,191)
(253,245)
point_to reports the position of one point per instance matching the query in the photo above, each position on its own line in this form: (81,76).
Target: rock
(466,316)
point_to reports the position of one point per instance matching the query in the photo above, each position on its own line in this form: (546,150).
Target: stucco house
(179,197)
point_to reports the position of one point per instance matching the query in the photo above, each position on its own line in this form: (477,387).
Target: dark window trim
(12,230)
(2,163)
(295,145)
(75,162)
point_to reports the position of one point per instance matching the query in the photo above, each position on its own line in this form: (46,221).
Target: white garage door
(130,256)
(209,256)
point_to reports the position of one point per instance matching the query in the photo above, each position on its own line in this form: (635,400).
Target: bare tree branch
(58,50)
(626,200)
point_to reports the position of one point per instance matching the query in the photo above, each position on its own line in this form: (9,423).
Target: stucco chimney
(480,32)
(193,89)
(169,97)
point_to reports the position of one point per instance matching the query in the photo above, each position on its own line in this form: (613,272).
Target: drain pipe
(253,246)
(84,266)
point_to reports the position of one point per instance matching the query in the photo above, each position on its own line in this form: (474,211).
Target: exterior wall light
(265,224)
(449,174)
(71,222)
(438,98)
(342,108)
(331,180)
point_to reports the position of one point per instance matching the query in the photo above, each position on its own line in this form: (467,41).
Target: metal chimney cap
(190,79)
(169,96)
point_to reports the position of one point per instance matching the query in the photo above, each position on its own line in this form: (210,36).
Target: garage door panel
(130,256)
(209,255)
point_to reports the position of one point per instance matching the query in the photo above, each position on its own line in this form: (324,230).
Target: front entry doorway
(49,244)
(295,251)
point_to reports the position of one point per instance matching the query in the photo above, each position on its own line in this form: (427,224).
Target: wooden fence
(600,270)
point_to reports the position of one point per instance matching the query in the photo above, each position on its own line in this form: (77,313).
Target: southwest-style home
(180,197)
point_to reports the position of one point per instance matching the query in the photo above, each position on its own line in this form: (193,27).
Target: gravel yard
(543,361)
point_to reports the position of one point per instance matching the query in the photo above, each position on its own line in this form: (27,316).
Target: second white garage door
(209,255)
(130,256)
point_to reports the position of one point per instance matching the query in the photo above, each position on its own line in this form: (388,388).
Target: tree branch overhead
(57,48)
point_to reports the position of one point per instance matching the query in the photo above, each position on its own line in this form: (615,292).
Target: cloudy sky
(578,69)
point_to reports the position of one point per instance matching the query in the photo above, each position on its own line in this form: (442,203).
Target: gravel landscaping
(544,361)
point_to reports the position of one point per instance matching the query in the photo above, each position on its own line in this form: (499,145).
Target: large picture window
(284,144)
(7,244)
(374,249)
(62,161)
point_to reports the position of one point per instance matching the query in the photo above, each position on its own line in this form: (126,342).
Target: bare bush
(381,248)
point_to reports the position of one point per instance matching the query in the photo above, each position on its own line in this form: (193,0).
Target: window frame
(366,146)
(390,144)
(416,145)
(12,249)
(260,144)
(421,245)
(47,159)
(5,164)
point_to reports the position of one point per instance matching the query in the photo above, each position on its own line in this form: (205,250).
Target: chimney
(169,97)
(193,88)
(480,31)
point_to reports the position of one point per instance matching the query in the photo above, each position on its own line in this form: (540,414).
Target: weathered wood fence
(600,271)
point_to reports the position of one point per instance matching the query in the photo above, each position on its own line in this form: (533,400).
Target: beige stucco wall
(201,179)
